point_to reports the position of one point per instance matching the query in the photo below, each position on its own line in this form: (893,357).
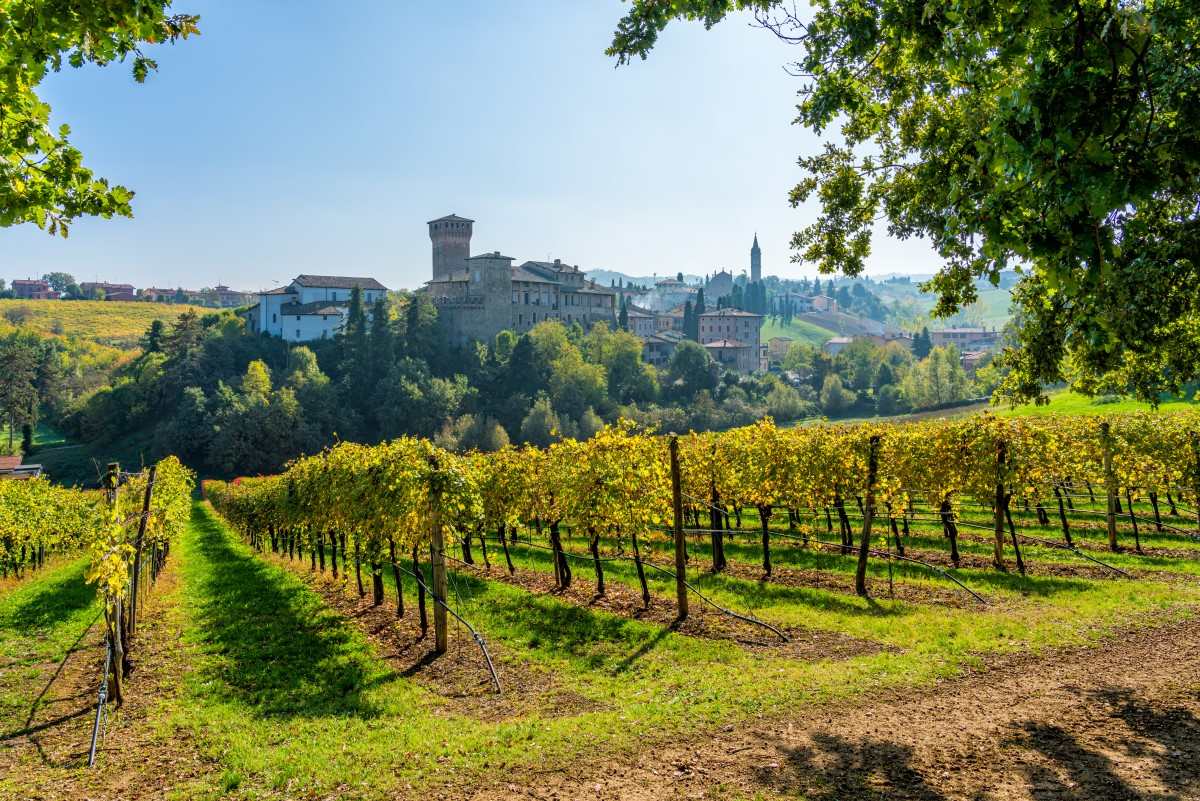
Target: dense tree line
(229,402)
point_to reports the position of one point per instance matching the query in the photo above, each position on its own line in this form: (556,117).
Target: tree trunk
(718,537)
(764,519)
(396,578)
(1110,486)
(1062,516)
(564,568)
(1157,516)
(321,550)
(333,543)
(504,543)
(467,556)
(681,597)
(951,529)
(641,572)
(998,507)
(420,592)
(483,549)
(1137,540)
(1012,530)
(357,567)
(860,573)
(594,547)
(376,584)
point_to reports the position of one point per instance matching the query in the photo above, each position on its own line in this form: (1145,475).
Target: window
(273,318)
(297,318)
(297,333)
(335,295)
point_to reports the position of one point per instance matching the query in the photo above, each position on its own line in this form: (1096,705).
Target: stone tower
(755,261)
(451,236)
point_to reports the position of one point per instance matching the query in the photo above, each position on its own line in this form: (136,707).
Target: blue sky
(319,136)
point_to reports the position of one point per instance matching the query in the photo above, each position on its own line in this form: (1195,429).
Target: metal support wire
(475,634)
(102,701)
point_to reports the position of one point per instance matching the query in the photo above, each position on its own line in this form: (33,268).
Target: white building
(310,307)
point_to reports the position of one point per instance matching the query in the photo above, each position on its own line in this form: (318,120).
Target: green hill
(798,329)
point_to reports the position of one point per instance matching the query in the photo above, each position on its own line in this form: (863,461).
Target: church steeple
(755,261)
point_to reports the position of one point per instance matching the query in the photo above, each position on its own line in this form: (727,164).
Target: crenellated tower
(451,237)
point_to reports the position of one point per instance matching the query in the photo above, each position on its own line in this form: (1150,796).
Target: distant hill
(115,323)
(606,278)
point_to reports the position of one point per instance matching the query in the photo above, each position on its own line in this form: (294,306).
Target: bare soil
(1120,720)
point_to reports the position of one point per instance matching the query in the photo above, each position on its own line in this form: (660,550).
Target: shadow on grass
(283,652)
(596,640)
(790,554)
(49,603)
(748,594)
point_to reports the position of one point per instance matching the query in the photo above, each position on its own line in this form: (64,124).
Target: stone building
(732,337)
(720,285)
(477,297)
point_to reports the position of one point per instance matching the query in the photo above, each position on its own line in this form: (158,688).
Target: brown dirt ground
(1115,721)
(135,759)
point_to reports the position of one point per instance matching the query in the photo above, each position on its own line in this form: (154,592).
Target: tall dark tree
(922,343)
(1064,137)
(18,383)
(152,340)
(623,317)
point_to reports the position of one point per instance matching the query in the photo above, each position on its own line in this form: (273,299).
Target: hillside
(115,323)
(913,306)
(1065,402)
(798,329)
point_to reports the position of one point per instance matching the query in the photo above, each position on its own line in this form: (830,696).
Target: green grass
(798,329)
(41,620)
(285,698)
(1067,402)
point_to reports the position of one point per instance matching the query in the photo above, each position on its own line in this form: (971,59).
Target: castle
(479,296)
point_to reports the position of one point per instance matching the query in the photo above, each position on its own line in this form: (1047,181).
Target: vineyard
(641,615)
(114,323)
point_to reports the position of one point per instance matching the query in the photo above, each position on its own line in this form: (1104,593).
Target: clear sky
(319,136)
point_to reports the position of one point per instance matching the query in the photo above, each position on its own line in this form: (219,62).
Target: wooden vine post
(1110,484)
(860,575)
(112,613)
(998,530)
(439,562)
(137,550)
(1195,438)
(680,545)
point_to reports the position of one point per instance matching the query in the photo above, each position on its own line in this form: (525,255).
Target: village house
(731,337)
(310,307)
(33,289)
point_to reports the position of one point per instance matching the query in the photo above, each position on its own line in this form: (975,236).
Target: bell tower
(755,261)
(451,237)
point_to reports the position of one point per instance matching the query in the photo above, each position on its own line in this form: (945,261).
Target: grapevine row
(377,505)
